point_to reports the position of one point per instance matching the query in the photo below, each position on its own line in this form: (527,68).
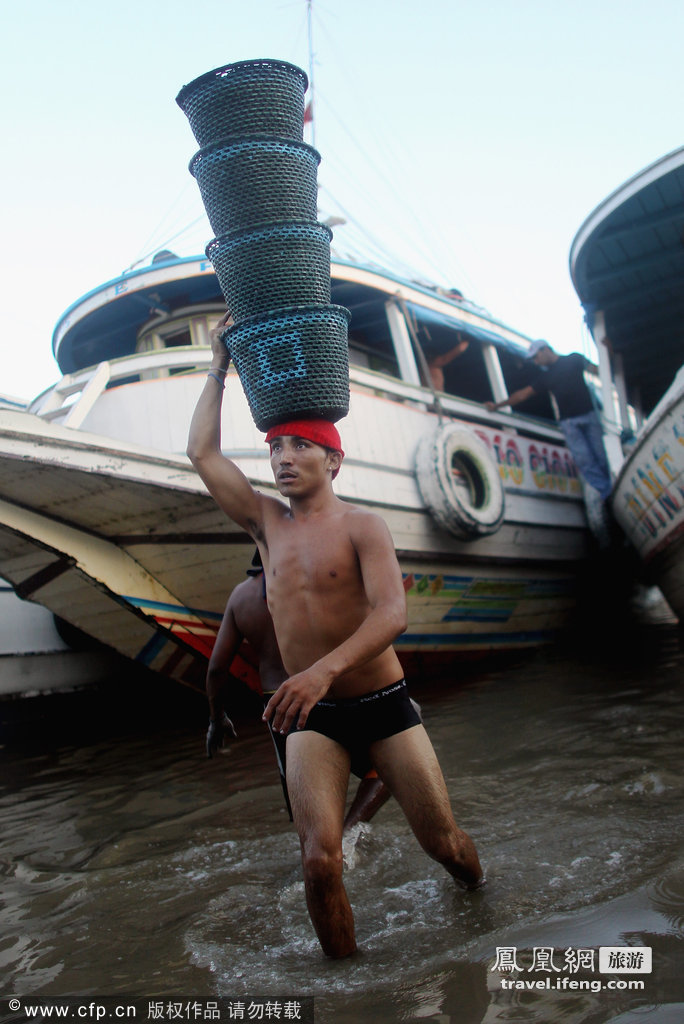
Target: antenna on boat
(309,112)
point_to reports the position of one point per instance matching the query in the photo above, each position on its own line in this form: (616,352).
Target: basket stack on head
(258,182)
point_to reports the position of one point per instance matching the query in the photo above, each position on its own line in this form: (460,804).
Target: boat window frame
(197,325)
(408,363)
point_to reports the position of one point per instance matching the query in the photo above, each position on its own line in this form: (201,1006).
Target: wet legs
(408,765)
(317,779)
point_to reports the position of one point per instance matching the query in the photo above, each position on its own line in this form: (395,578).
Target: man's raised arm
(226,483)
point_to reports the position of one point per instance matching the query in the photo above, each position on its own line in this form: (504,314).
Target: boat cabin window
(370,341)
(187,331)
(175,339)
(380,356)
(462,372)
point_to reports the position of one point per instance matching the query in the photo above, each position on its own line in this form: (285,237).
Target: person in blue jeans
(563,376)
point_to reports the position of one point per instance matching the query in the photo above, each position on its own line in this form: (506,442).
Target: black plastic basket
(293,363)
(252,181)
(262,96)
(275,266)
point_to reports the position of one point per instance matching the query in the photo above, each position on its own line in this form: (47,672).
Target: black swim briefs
(357,722)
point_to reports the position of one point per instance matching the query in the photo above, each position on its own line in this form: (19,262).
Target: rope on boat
(418,348)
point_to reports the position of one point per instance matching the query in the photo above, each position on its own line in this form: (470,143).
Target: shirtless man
(336,597)
(246,617)
(437,363)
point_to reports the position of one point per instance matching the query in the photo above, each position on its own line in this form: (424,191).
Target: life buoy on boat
(459,482)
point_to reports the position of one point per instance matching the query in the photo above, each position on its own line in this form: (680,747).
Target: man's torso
(565,380)
(317,598)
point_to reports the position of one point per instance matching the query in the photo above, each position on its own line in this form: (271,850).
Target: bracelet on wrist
(217,379)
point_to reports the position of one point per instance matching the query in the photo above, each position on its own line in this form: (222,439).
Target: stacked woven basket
(258,182)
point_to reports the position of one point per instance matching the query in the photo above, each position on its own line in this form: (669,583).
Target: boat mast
(310,105)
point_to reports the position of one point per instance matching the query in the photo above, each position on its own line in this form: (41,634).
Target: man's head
(541,353)
(283,439)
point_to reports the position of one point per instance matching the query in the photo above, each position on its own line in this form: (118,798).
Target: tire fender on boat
(459,482)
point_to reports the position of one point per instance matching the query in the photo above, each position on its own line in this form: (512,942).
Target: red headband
(319,431)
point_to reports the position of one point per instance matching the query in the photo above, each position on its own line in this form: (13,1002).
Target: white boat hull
(104,522)
(126,544)
(648,497)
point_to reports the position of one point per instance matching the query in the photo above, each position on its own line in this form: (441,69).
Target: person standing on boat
(563,376)
(246,617)
(336,596)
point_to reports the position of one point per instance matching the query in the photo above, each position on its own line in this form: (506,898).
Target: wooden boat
(39,654)
(627,264)
(35,656)
(104,522)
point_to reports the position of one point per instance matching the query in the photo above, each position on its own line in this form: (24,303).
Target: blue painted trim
(464,305)
(477,615)
(458,307)
(532,587)
(139,602)
(151,649)
(469,639)
(129,276)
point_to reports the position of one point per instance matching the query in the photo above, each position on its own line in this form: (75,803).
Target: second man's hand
(218,729)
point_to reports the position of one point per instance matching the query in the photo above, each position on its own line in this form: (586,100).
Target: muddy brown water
(133,867)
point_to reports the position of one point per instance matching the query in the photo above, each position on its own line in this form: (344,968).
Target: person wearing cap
(563,376)
(246,617)
(336,597)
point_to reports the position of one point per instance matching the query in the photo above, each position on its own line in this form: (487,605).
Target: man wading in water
(247,618)
(336,597)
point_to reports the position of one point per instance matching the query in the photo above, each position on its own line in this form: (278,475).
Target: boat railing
(452,405)
(70,400)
